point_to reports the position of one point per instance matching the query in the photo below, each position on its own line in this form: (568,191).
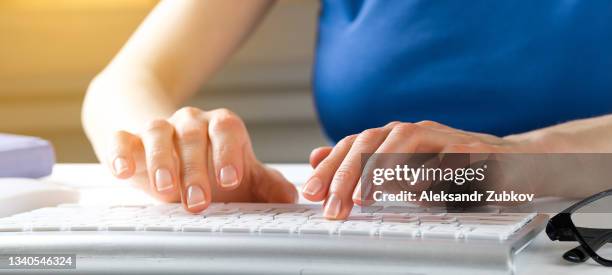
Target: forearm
(116,101)
(593,135)
(177,48)
(580,170)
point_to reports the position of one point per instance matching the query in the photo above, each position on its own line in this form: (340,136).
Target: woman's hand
(196,157)
(338,169)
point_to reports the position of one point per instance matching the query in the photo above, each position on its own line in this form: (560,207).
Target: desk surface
(541,257)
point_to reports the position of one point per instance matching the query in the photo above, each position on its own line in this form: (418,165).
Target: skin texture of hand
(197,157)
(337,170)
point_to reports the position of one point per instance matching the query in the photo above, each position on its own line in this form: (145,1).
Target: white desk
(98,187)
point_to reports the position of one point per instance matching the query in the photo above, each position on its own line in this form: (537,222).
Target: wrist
(543,172)
(543,141)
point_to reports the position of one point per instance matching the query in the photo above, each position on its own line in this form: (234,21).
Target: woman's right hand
(196,157)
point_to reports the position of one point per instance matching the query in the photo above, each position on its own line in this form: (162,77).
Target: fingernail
(120,165)
(195,196)
(357,194)
(163,180)
(332,209)
(228,176)
(312,187)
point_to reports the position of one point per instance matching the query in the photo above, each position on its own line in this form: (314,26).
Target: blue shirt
(498,67)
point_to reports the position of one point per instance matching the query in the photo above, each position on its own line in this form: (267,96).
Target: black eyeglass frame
(562,228)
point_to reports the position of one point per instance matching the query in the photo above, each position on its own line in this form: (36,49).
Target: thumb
(272,187)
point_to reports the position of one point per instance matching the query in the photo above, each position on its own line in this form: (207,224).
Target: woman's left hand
(337,169)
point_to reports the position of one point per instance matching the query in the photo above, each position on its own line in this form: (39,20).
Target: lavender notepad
(25,157)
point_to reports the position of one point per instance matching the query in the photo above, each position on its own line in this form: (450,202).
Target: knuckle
(368,135)
(456,148)
(428,123)
(223,112)
(193,170)
(190,132)
(326,166)
(226,122)
(156,153)
(392,124)
(223,151)
(405,129)
(371,132)
(121,141)
(157,125)
(188,112)
(347,140)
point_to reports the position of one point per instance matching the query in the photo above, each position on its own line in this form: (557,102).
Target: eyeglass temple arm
(595,237)
(578,254)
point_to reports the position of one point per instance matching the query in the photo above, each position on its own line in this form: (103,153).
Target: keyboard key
(222,212)
(488,234)
(366,231)
(201,228)
(292,210)
(360,223)
(297,220)
(161,227)
(358,228)
(399,231)
(121,227)
(401,209)
(255,219)
(161,209)
(11,228)
(364,217)
(250,211)
(433,218)
(294,214)
(323,229)
(84,227)
(238,228)
(403,218)
(46,228)
(278,228)
(441,232)
(442,223)
(221,218)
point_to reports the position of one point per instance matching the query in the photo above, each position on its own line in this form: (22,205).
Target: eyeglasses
(590,223)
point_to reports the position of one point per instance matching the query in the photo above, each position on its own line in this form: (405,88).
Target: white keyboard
(262,219)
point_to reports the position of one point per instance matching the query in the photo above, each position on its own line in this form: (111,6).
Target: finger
(316,187)
(318,154)
(339,202)
(408,138)
(358,197)
(157,139)
(272,187)
(357,194)
(120,160)
(404,138)
(229,138)
(412,138)
(191,141)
